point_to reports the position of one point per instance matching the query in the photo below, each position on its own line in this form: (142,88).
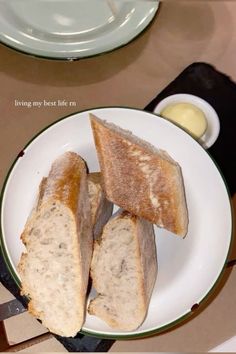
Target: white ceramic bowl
(213,123)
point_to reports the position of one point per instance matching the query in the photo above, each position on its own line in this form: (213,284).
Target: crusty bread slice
(123,270)
(101,208)
(140,178)
(58,238)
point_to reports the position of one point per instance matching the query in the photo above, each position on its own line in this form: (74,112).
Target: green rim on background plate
(39,31)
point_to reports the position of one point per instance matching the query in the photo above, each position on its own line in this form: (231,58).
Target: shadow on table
(73,73)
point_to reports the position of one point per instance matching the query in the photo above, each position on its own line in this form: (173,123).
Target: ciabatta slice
(124,269)
(140,178)
(58,238)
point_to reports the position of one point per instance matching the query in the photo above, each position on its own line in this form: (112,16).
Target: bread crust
(66,186)
(139,178)
(64,180)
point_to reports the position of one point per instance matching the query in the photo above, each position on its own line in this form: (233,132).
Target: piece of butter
(187,116)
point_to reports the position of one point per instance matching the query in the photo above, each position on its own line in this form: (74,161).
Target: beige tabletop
(182,33)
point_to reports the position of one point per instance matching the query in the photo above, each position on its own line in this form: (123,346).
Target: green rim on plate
(145,24)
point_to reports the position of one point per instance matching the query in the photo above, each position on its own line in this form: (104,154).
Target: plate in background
(70,29)
(187,268)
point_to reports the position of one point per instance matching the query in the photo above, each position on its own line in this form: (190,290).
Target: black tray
(204,81)
(219,90)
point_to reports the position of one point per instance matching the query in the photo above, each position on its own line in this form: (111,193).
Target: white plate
(68,29)
(188,268)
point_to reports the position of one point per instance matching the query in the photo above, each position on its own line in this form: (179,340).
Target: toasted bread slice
(58,238)
(124,269)
(140,178)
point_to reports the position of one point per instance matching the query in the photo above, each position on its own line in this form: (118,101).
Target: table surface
(182,33)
